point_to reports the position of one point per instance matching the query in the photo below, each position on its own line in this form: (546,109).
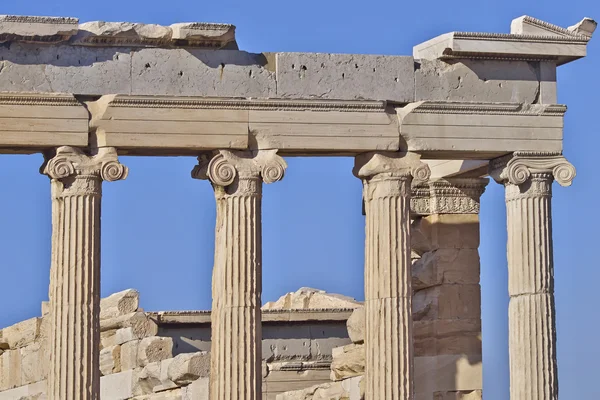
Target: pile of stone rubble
(135,363)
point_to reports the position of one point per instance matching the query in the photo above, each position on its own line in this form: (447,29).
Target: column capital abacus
(226,168)
(391,165)
(77,172)
(519,167)
(448,196)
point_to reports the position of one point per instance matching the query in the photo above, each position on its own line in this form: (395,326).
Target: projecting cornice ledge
(529,39)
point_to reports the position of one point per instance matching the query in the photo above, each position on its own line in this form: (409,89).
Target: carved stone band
(224,168)
(448,196)
(519,167)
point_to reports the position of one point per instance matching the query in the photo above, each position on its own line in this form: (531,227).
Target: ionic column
(75,273)
(527,178)
(237,274)
(388,294)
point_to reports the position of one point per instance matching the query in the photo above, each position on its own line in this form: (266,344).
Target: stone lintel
(177,125)
(268,316)
(33,122)
(480,130)
(530,39)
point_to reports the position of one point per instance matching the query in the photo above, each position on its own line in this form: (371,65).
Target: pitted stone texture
(478,80)
(187,72)
(308,298)
(121,303)
(153,349)
(65,69)
(356,325)
(345,76)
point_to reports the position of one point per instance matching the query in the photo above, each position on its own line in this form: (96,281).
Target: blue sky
(158,225)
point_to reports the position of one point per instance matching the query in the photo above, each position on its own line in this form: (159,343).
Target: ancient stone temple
(426,131)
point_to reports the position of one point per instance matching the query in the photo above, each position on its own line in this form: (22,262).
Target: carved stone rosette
(237,179)
(388,294)
(75,272)
(448,196)
(527,178)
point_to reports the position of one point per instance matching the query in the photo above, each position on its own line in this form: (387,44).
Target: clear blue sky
(158,225)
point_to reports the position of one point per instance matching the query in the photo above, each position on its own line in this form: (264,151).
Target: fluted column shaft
(531,314)
(237,274)
(74,372)
(389,369)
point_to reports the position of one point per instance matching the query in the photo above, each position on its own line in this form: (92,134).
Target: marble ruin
(425,130)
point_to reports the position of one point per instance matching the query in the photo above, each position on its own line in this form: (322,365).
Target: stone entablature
(109,89)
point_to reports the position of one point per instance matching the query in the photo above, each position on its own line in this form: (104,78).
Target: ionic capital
(448,196)
(393,165)
(226,168)
(520,167)
(70,163)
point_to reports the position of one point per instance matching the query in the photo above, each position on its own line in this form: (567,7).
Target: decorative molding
(437,107)
(250,104)
(37,100)
(511,37)
(24,19)
(448,196)
(299,366)
(518,167)
(551,27)
(208,26)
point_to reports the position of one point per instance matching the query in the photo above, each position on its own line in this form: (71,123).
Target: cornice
(249,104)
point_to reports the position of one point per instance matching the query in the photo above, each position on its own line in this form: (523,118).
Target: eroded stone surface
(348,361)
(473,80)
(309,298)
(37,29)
(121,303)
(153,349)
(350,389)
(186,368)
(356,325)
